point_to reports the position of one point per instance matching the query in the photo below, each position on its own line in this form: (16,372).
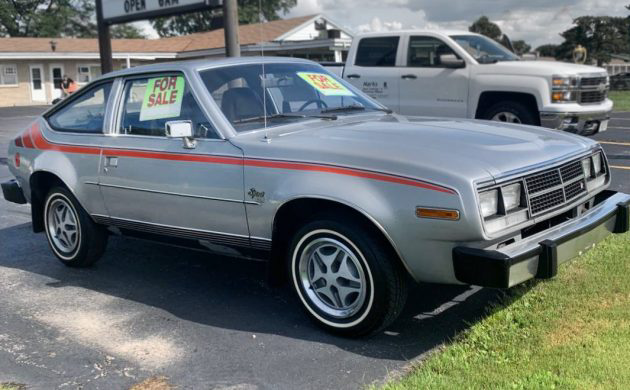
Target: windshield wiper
(276,116)
(354,107)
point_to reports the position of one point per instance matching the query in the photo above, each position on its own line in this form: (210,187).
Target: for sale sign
(163,98)
(325,84)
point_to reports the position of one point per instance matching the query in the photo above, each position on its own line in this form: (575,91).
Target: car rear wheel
(72,235)
(511,112)
(345,278)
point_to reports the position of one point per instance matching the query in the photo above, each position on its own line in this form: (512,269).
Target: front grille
(592,81)
(574,189)
(546,201)
(543,181)
(555,187)
(590,97)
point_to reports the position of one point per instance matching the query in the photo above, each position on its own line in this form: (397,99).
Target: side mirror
(451,61)
(183,130)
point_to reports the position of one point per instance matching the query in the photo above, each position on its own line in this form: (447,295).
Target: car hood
(435,148)
(539,68)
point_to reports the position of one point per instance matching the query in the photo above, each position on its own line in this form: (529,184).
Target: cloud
(536,21)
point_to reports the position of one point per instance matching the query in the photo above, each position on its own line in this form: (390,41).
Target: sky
(536,21)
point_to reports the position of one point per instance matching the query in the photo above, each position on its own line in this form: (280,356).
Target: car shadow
(234,294)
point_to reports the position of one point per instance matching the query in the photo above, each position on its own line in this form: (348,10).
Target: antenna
(262,63)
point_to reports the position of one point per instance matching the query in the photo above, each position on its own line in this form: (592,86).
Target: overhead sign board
(121,11)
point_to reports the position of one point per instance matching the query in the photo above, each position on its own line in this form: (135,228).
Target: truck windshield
(283,93)
(484,50)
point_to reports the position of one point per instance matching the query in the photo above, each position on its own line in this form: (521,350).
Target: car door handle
(354,76)
(409,76)
(111,162)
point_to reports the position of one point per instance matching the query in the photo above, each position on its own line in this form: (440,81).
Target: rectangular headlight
(597,164)
(563,82)
(511,196)
(489,202)
(587,167)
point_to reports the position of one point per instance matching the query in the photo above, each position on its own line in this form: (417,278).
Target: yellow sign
(325,84)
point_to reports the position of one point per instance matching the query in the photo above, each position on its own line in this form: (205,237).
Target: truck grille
(555,187)
(592,81)
(590,97)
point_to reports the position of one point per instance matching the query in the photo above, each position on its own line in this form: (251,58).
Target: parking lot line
(620,167)
(614,143)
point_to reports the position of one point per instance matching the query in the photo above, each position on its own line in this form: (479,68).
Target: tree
(248,12)
(125,31)
(521,47)
(600,35)
(548,50)
(484,26)
(54,18)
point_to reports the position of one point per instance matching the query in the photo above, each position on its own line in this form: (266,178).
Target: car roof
(193,65)
(415,31)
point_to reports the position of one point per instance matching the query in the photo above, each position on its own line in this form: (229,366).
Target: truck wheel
(72,235)
(344,277)
(511,112)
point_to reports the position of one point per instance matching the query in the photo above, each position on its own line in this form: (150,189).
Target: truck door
(426,86)
(373,69)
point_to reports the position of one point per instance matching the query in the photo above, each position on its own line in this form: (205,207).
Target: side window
(85,113)
(377,51)
(149,103)
(425,52)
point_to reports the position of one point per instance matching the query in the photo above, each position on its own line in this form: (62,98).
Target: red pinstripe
(41,143)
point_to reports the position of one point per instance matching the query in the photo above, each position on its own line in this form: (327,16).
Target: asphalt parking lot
(202,321)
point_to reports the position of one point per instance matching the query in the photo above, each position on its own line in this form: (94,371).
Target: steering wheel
(319,103)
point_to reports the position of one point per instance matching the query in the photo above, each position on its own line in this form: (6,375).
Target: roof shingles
(248,34)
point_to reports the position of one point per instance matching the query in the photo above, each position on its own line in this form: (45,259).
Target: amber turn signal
(451,215)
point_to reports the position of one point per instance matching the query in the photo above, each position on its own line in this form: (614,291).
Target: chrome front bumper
(582,123)
(538,256)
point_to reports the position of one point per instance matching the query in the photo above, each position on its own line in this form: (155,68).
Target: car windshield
(250,96)
(483,49)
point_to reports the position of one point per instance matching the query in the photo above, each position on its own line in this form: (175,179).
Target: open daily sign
(163,98)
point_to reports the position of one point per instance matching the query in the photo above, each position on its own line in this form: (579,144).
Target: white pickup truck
(466,75)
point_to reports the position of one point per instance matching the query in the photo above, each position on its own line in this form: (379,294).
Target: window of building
(8,74)
(87,73)
(149,103)
(85,113)
(425,52)
(377,51)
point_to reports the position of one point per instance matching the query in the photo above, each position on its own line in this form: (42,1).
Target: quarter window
(8,74)
(85,113)
(149,103)
(377,51)
(425,52)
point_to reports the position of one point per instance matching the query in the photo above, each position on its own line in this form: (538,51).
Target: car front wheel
(345,278)
(73,237)
(511,112)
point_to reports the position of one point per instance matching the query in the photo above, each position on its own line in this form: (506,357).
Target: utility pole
(104,40)
(230,22)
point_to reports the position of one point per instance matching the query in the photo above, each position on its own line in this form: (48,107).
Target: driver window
(85,113)
(425,52)
(149,103)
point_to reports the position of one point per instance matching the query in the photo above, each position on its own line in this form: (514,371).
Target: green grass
(571,332)
(12,386)
(621,99)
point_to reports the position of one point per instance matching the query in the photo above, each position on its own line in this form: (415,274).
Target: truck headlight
(588,168)
(597,164)
(563,89)
(489,202)
(511,196)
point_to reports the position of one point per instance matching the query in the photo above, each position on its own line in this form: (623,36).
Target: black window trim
(428,67)
(398,48)
(118,110)
(70,99)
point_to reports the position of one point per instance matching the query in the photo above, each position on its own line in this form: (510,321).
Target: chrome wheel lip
(62,226)
(507,117)
(326,314)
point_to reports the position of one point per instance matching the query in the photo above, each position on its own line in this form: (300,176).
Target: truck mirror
(451,61)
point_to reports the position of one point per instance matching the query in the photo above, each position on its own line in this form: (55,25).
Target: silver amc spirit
(277,159)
